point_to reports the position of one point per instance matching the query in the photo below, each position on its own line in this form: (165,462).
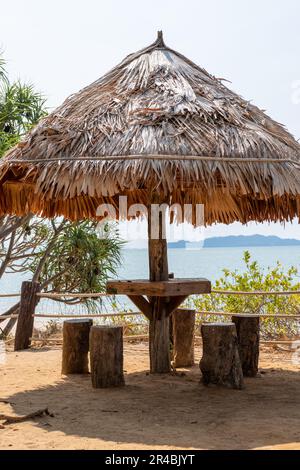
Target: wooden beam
(159,328)
(143,304)
(167,288)
(175,302)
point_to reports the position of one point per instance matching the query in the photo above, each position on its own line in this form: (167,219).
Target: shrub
(256,278)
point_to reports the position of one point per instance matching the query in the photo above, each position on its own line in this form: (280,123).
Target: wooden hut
(156,128)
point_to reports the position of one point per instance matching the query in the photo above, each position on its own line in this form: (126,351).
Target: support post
(159,338)
(76,346)
(247,329)
(220,363)
(183,322)
(28,302)
(106,354)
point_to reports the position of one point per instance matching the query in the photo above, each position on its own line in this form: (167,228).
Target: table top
(172,287)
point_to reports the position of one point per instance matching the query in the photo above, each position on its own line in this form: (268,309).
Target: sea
(184,263)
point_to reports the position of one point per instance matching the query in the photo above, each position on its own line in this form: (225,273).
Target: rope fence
(63,316)
(129,314)
(122,314)
(8,317)
(255,293)
(58,295)
(9,295)
(260,315)
(146,337)
(92,295)
(89,315)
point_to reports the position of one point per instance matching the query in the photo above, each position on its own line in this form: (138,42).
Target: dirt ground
(150,412)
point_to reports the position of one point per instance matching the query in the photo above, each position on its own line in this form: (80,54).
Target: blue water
(207,262)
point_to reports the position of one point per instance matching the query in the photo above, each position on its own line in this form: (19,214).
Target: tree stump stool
(183,330)
(76,346)
(220,363)
(247,329)
(106,355)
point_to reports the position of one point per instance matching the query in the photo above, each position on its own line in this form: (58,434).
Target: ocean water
(207,262)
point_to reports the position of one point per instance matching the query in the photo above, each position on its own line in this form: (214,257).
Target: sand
(150,412)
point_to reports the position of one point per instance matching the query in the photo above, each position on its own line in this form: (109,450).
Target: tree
(21,107)
(255,278)
(65,256)
(74,258)
(61,255)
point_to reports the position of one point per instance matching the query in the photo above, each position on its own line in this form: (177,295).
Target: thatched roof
(156,121)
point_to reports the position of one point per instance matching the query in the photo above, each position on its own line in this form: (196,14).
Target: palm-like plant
(61,255)
(20,108)
(3,76)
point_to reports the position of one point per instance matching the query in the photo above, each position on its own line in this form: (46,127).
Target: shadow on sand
(172,410)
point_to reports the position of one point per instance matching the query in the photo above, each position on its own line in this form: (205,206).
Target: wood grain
(168,288)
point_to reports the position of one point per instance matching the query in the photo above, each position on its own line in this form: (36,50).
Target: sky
(63,45)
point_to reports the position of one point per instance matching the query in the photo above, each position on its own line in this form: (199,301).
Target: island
(235,241)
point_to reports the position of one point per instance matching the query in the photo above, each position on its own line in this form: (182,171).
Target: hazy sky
(63,45)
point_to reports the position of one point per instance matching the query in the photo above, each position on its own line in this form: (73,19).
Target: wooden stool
(106,354)
(247,329)
(183,329)
(220,363)
(76,346)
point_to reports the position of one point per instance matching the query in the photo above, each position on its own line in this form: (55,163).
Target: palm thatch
(155,122)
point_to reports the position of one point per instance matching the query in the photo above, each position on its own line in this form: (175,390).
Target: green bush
(255,278)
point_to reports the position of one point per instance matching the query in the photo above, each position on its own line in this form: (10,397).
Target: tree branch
(7,258)
(47,251)
(11,311)
(16,222)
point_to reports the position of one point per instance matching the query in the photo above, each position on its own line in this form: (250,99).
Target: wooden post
(247,329)
(25,323)
(183,321)
(106,355)
(220,363)
(159,338)
(76,346)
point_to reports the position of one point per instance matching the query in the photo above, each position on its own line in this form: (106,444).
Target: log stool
(106,355)
(247,328)
(183,329)
(76,346)
(220,363)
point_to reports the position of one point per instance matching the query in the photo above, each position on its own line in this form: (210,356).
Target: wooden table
(172,293)
(157,300)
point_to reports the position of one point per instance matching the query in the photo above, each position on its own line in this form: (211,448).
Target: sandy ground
(150,412)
